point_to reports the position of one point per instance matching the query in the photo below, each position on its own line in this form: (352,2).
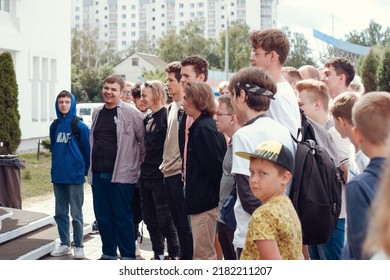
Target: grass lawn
(36,179)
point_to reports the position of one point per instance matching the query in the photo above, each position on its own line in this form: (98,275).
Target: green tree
(300,54)
(10,133)
(158,74)
(170,48)
(92,61)
(383,74)
(368,70)
(370,36)
(87,83)
(239,46)
(189,41)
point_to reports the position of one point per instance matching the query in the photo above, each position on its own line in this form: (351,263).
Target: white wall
(38,34)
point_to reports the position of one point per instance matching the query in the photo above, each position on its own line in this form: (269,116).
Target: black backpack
(316,187)
(73,126)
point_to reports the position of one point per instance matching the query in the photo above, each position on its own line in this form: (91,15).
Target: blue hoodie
(70,159)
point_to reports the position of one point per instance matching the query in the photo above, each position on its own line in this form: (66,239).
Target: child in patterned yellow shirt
(274,231)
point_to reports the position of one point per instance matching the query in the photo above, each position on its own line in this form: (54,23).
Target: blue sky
(334,17)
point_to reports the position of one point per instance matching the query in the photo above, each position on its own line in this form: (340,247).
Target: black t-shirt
(155,132)
(104,141)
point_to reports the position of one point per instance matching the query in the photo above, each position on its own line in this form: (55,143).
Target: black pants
(137,211)
(157,217)
(225,236)
(175,196)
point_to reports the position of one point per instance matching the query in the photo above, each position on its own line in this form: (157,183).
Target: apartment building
(123,22)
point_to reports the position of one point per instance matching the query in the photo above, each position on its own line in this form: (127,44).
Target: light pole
(227,45)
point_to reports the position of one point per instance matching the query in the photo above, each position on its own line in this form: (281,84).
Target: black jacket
(205,151)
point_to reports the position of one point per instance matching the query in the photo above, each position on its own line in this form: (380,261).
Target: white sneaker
(78,253)
(137,251)
(60,251)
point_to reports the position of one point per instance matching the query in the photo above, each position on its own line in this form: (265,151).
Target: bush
(10,133)
(46,144)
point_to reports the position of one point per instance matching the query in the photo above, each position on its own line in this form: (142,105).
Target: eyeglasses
(256,90)
(127,92)
(222,114)
(256,54)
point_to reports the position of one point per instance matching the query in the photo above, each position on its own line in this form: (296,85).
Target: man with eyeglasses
(270,48)
(253,92)
(127,96)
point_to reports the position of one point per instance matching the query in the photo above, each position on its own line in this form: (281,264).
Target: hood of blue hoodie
(71,113)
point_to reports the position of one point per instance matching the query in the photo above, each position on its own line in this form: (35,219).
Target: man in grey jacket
(117,142)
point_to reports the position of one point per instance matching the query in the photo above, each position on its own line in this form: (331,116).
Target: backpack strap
(53,128)
(75,128)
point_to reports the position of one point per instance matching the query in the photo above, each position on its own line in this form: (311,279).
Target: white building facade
(122,22)
(38,35)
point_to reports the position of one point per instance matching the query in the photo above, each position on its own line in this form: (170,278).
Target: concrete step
(22,222)
(28,235)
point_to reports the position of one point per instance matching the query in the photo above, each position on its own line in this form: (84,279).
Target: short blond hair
(342,105)
(371,115)
(319,91)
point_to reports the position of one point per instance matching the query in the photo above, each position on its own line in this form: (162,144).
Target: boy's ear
(286,177)
(242,97)
(357,136)
(341,121)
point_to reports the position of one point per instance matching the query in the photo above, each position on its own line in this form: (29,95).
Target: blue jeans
(112,204)
(69,196)
(332,249)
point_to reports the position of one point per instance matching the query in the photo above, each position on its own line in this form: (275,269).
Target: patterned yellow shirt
(274,220)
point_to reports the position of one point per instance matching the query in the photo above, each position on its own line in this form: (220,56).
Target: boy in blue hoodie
(70,163)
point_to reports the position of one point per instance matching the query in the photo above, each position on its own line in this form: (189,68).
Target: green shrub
(10,134)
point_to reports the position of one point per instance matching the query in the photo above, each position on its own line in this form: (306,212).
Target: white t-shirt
(285,109)
(357,162)
(342,148)
(247,139)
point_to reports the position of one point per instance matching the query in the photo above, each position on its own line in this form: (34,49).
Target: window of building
(181,5)
(133,7)
(124,16)
(192,5)
(123,7)
(124,33)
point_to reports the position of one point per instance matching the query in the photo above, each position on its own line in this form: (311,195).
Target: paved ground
(92,242)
